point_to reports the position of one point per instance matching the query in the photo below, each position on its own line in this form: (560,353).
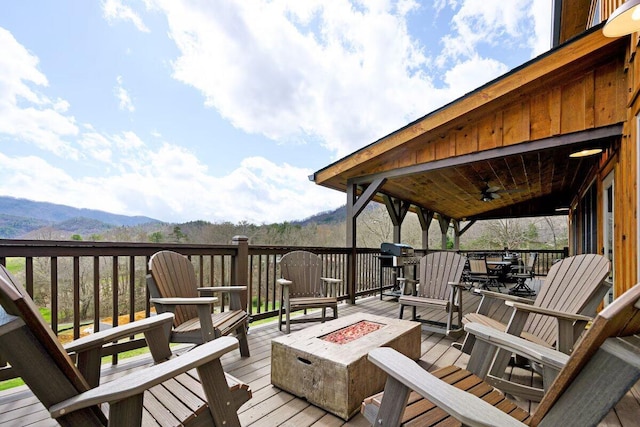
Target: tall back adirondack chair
(439,287)
(302,288)
(601,370)
(568,298)
(173,287)
(29,345)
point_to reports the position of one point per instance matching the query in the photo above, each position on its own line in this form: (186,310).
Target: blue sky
(220,110)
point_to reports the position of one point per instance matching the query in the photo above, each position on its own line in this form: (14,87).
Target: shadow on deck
(272,407)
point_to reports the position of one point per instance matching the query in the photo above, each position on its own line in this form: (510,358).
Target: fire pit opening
(351,332)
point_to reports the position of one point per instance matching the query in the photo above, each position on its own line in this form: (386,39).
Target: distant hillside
(12,227)
(327,217)
(330,217)
(57,213)
(22,217)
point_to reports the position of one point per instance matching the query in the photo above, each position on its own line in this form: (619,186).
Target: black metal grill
(397,255)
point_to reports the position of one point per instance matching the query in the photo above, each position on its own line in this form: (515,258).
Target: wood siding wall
(594,99)
(626,182)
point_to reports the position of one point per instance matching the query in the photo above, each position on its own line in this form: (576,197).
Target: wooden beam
(467,226)
(425,216)
(444,228)
(497,153)
(397,210)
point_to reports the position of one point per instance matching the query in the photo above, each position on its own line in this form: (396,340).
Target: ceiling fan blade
(494,195)
(492,189)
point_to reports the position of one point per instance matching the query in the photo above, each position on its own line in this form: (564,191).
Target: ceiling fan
(489,193)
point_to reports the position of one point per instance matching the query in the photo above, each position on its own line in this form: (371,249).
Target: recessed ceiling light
(586,152)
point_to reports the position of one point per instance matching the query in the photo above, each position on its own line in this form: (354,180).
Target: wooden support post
(444,228)
(425,217)
(240,270)
(355,205)
(398,210)
(456,235)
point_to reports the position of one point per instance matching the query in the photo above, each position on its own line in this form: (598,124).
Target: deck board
(270,406)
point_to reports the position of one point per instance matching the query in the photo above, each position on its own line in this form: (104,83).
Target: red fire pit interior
(351,332)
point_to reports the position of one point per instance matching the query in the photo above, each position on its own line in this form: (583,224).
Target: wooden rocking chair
(28,344)
(302,287)
(602,368)
(439,287)
(173,288)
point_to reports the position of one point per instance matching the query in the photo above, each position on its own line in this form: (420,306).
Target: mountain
(327,217)
(20,217)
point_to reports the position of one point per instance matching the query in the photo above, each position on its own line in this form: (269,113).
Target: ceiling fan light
(587,151)
(624,20)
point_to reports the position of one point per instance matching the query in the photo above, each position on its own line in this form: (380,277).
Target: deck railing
(92,285)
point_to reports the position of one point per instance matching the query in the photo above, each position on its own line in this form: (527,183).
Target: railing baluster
(54,294)
(96,293)
(28,266)
(76,297)
(132,288)
(114,300)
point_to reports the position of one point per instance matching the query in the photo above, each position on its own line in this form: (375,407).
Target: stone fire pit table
(327,363)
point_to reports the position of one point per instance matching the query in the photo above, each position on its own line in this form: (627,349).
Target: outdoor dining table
(502,268)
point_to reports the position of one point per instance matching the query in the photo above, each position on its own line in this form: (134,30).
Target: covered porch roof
(512,136)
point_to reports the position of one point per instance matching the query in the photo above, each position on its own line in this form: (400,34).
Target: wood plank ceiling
(526,184)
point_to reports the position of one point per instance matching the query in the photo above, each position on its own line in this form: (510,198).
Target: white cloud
(464,74)
(339,73)
(496,23)
(124,100)
(173,185)
(114,10)
(25,114)
(336,72)
(342,73)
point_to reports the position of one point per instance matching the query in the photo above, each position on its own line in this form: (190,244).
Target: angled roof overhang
(515,134)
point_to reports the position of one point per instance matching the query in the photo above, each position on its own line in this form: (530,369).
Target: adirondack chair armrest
(184,301)
(137,382)
(98,339)
(570,325)
(504,297)
(548,312)
(456,285)
(404,281)
(88,349)
(405,374)
(330,286)
(284,282)
(234,292)
(489,298)
(222,289)
(522,347)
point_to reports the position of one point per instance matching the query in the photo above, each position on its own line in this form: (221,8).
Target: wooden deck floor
(273,407)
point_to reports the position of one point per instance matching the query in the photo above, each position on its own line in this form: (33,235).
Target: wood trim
(512,83)
(525,147)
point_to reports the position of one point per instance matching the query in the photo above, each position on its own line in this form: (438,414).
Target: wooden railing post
(240,271)
(351,274)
